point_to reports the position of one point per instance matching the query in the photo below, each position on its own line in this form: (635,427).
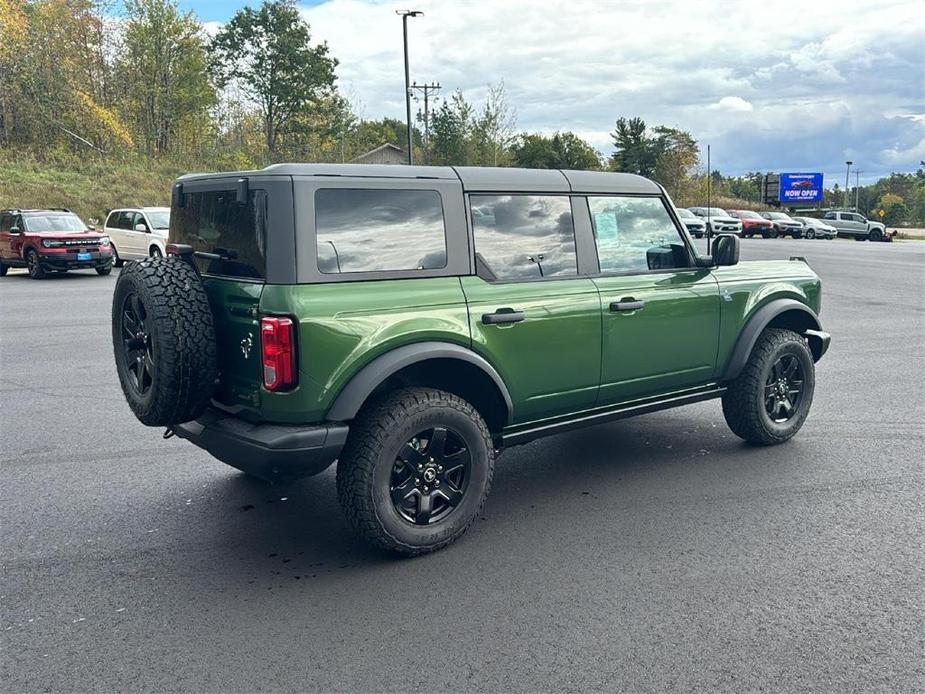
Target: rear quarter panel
(344,326)
(746,287)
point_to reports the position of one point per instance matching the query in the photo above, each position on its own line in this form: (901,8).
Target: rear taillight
(277,349)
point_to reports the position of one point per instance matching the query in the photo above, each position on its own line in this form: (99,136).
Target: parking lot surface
(659,553)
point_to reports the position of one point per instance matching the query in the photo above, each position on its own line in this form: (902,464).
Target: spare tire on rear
(163,338)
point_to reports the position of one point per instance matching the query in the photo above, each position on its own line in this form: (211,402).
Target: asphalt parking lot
(659,553)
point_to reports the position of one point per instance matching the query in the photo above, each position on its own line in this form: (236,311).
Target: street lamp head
(409,13)
(849,163)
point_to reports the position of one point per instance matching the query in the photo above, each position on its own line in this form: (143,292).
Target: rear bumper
(273,452)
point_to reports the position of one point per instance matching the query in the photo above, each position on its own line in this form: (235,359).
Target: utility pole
(404,14)
(857,190)
(709,185)
(847,183)
(427,89)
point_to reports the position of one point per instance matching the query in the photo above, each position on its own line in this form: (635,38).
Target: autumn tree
(268,52)
(162,72)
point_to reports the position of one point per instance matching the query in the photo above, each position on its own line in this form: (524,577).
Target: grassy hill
(88,187)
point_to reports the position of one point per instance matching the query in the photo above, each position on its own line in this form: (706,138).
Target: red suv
(53,240)
(753,223)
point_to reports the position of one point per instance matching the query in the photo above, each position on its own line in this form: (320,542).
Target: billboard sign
(800,187)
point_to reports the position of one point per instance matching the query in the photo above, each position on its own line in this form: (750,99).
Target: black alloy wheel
(137,345)
(783,388)
(430,476)
(34,265)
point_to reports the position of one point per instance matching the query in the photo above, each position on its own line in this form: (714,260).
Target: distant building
(383,154)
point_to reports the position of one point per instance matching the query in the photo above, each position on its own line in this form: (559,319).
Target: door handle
(627,304)
(502,315)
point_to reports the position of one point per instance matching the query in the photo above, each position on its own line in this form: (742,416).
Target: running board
(632,409)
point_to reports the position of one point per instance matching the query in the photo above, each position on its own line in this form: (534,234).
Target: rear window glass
(229,238)
(367,230)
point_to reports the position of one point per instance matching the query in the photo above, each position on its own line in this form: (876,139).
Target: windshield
(780,215)
(686,214)
(40,223)
(748,214)
(717,212)
(160,219)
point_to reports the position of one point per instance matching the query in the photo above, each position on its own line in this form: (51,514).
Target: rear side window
(524,237)
(635,235)
(370,230)
(229,237)
(6,221)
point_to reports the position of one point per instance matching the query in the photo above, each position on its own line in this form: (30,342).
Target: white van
(138,232)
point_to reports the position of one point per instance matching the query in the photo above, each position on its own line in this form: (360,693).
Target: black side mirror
(726,250)
(15,230)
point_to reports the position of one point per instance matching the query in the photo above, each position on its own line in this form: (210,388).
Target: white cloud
(733,103)
(763,93)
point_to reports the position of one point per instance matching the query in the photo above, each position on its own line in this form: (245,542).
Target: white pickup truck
(856,226)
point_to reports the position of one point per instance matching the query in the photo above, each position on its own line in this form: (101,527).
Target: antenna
(709,186)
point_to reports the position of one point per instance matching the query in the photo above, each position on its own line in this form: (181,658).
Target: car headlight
(52,243)
(104,241)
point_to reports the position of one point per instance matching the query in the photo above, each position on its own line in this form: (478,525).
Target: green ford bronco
(411,322)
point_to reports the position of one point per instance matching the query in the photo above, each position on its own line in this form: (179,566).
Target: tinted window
(829,215)
(635,235)
(368,230)
(6,221)
(520,237)
(229,238)
(112,220)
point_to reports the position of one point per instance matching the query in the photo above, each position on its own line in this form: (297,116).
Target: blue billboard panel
(800,187)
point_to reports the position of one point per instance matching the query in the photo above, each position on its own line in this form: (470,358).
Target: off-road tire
(365,467)
(179,322)
(743,401)
(104,270)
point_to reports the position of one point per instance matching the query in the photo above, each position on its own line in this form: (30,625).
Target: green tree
(268,52)
(450,132)
(162,74)
(634,150)
(561,151)
(676,156)
(895,208)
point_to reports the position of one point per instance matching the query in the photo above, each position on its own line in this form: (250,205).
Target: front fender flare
(758,322)
(367,379)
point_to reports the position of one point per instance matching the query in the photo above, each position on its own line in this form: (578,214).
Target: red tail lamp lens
(278,354)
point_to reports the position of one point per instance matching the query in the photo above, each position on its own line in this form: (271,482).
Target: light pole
(857,190)
(847,173)
(404,27)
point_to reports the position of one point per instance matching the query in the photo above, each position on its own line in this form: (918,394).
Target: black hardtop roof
(473,178)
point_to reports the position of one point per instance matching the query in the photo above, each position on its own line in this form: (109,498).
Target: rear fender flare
(367,379)
(759,320)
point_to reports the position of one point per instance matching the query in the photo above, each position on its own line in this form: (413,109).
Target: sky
(803,85)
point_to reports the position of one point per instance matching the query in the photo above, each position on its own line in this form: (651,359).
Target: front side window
(229,238)
(635,235)
(379,230)
(524,237)
(6,221)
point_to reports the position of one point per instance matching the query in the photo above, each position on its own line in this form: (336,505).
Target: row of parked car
(57,240)
(771,225)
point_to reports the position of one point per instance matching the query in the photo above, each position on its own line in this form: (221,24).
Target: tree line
(77,79)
